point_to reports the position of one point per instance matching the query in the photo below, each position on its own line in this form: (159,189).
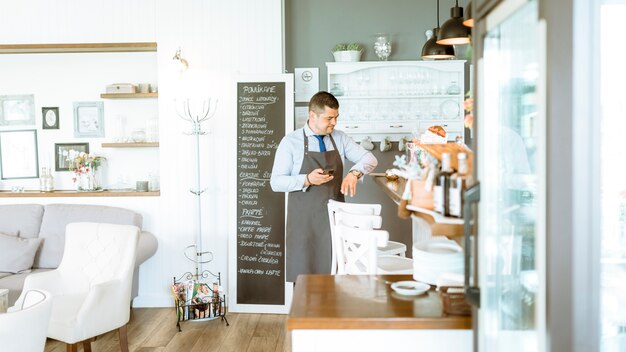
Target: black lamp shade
(453,32)
(468,20)
(432,50)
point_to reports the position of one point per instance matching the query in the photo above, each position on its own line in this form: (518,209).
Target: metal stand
(189,309)
(199,257)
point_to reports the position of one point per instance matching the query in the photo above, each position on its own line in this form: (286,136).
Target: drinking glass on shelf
(393,81)
(121,129)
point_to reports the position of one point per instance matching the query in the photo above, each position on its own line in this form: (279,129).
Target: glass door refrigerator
(505,211)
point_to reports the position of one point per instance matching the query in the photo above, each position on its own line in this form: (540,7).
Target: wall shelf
(77,48)
(72,193)
(128,95)
(131,145)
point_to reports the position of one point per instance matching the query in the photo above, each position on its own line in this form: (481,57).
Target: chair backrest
(24,327)
(352,208)
(96,253)
(360,249)
(364,222)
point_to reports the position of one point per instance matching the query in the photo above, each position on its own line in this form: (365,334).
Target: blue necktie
(321,140)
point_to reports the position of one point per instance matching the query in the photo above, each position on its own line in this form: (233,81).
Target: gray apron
(308,229)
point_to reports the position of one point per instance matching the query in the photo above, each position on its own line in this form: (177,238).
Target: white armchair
(92,285)
(24,327)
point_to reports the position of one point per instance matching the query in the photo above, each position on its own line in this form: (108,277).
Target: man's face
(325,122)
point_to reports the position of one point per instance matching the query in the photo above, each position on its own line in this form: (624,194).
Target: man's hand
(348,186)
(317,177)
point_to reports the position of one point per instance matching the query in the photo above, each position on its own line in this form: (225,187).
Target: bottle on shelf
(442,185)
(46,181)
(459,182)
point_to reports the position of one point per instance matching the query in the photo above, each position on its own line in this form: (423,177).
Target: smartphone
(328,172)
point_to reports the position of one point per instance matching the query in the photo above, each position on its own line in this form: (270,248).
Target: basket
(454,302)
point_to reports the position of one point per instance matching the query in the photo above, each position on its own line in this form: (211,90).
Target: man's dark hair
(321,100)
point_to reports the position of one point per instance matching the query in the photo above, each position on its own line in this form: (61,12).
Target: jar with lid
(453,88)
(46,181)
(337,89)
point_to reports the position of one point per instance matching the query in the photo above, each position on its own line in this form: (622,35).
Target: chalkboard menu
(260,211)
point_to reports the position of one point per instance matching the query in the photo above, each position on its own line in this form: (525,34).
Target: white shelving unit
(397,99)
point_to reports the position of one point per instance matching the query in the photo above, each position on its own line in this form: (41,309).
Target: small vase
(88,181)
(382,46)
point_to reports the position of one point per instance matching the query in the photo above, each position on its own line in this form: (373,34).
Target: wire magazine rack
(198,301)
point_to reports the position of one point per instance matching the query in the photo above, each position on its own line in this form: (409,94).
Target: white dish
(450,109)
(410,288)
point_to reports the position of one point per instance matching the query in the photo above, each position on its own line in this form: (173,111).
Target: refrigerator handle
(470,196)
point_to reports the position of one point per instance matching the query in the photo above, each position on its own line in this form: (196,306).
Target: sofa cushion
(17,254)
(21,219)
(57,216)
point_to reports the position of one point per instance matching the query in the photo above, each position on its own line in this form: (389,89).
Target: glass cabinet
(397,99)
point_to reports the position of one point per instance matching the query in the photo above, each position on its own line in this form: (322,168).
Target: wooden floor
(154,329)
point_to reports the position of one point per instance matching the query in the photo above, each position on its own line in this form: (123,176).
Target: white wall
(220,39)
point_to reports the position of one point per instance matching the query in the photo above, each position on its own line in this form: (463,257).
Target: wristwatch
(356,173)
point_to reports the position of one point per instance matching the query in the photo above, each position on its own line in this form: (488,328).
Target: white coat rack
(196,118)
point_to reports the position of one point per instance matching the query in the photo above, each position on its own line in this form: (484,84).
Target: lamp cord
(437,13)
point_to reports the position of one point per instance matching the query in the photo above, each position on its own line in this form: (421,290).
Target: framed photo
(17,110)
(50,118)
(63,150)
(18,154)
(88,119)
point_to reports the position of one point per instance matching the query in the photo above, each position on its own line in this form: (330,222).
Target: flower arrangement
(468,106)
(83,163)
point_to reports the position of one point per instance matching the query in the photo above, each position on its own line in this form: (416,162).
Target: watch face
(50,118)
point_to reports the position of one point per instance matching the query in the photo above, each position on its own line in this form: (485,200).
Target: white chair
(24,326)
(392,247)
(92,285)
(359,250)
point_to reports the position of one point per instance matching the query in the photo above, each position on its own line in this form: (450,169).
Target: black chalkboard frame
(288,119)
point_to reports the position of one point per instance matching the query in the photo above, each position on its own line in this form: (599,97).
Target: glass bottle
(459,182)
(46,181)
(441,195)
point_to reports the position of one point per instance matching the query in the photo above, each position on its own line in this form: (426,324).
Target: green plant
(347,47)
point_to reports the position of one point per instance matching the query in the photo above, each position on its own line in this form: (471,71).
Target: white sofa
(47,223)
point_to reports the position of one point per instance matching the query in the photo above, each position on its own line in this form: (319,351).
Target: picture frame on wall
(50,118)
(62,152)
(89,119)
(18,154)
(17,110)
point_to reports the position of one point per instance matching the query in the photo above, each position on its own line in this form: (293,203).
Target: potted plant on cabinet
(347,52)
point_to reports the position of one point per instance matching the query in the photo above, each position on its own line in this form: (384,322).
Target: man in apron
(309,165)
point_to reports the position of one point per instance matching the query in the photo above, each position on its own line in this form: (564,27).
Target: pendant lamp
(433,50)
(469,16)
(453,32)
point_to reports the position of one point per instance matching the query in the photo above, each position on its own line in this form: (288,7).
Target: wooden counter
(366,302)
(439,225)
(72,193)
(363,313)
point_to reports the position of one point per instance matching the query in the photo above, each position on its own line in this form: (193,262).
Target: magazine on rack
(196,300)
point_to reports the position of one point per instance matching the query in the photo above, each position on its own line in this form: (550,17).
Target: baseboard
(153,301)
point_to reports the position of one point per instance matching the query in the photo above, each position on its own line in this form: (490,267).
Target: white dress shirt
(286,176)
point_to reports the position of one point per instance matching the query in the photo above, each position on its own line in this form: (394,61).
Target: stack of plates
(436,257)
